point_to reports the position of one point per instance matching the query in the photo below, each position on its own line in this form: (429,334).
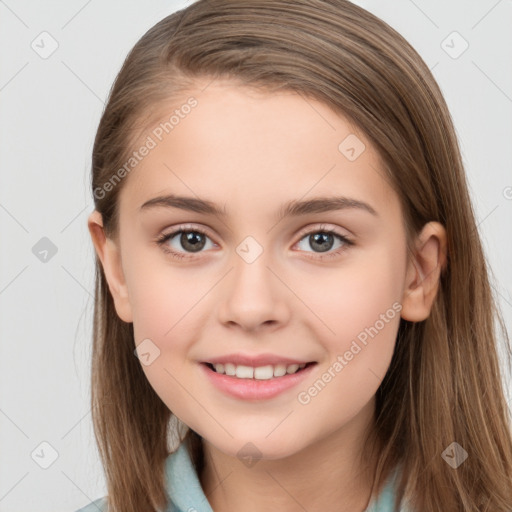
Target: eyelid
(322,226)
(186,227)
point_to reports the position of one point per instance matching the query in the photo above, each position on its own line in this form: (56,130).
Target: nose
(253,295)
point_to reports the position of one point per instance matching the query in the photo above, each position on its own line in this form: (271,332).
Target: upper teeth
(261,372)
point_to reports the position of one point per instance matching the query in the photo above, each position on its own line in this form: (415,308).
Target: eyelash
(161,241)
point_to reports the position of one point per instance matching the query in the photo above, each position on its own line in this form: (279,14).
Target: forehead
(237,143)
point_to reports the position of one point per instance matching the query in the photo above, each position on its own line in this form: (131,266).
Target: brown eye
(192,241)
(189,241)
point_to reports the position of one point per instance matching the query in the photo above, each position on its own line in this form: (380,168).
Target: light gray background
(49,113)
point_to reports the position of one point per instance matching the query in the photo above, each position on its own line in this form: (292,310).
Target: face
(247,287)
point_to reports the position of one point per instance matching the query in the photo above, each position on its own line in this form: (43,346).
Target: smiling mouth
(257,373)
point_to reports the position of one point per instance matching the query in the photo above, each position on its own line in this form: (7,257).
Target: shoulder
(99,505)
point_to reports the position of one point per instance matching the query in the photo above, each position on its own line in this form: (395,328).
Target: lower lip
(255,389)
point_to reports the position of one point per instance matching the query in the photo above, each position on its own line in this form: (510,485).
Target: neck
(328,475)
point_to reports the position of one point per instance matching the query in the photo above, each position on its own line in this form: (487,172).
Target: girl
(292,309)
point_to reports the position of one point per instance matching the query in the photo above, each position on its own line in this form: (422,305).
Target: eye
(192,240)
(323,239)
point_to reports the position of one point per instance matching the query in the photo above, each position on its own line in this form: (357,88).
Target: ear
(424,272)
(110,257)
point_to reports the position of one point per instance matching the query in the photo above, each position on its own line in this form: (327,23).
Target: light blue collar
(187,494)
(384,502)
(183,484)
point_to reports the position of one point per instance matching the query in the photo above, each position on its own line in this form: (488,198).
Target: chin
(257,447)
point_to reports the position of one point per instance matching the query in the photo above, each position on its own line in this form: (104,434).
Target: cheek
(361,305)
(354,296)
(166,302)
(163,304)
(162,296)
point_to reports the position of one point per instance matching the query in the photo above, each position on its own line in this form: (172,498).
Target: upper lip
(255,360)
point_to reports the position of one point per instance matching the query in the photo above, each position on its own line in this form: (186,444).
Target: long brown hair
(444,383)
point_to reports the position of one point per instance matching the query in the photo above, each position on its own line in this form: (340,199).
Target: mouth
(265,372)
(256,377)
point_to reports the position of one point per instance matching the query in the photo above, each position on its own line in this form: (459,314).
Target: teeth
(229,369)
(279,370)
(244,372)
(259,373)
(264,372)
(292,368)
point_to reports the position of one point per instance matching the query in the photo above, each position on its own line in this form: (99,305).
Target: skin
(250,152)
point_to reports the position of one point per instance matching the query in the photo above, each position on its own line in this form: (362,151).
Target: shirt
(186,493)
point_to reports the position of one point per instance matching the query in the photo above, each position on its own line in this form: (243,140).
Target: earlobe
(109,254)
(424,272)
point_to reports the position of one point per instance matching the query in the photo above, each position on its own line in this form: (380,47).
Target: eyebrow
(293,208)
